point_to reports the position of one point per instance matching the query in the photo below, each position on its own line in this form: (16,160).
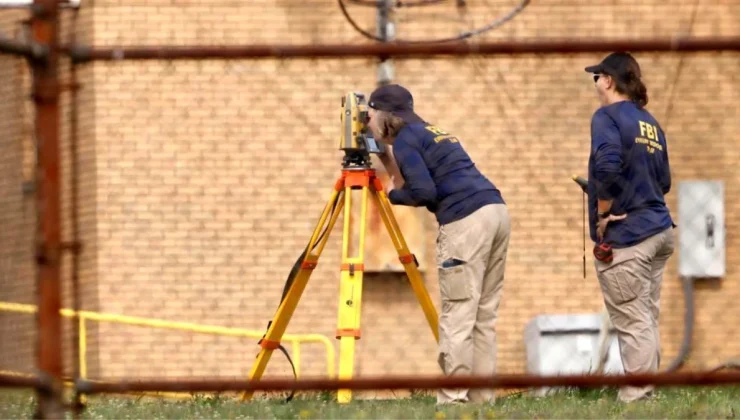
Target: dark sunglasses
(597,76)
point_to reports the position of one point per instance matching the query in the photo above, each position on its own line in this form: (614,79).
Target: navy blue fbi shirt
(628,164)
(439,174)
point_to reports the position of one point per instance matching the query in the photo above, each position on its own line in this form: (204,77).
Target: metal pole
(45,29)
(412,382)
(386,31)
(694,44)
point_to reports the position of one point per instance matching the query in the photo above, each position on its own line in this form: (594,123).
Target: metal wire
(465,35)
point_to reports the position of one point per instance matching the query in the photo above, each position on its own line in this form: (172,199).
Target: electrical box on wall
(701,225)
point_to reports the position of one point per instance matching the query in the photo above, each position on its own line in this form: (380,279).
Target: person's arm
(389,163)
(607,146)
(419,188)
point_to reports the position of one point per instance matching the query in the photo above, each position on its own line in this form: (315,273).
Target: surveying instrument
(357,174)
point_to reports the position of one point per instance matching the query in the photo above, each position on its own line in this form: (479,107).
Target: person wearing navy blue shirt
(430,168)
(628,178)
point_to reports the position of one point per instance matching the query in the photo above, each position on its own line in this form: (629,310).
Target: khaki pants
(471,292)
(631,286)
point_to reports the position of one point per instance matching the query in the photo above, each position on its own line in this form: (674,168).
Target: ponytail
(634,88)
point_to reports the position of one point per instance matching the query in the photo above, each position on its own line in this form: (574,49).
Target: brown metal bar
(11,46)
(17,381)
(45,31)
(81,53)
(409,382)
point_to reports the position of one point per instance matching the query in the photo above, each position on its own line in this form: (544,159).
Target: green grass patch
(671,403)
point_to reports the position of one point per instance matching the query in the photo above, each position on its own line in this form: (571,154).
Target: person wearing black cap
(629,174)
(433,170)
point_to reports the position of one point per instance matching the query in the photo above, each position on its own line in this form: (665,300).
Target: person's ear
(387,128)
(609,82)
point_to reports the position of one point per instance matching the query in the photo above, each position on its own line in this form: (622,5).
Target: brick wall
(205,179)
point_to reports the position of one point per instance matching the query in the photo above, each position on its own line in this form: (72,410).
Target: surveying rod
(583,183)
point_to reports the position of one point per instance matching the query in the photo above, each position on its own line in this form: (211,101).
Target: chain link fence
(19,182)
(17,205)
(199,182)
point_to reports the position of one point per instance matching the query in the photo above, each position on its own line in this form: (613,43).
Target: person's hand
(387,156)
(601,225)
(390,186)
(397,181)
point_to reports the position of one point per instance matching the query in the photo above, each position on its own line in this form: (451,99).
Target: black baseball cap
(397,100)
(618,65)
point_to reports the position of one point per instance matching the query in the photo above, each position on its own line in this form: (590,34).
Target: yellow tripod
(350,294)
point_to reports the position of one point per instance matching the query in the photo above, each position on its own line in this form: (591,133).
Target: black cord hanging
(465,35)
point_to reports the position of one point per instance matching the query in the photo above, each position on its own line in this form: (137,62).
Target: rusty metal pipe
(694,44)
(45,31)
(19,381)
(11,46)
(410,382)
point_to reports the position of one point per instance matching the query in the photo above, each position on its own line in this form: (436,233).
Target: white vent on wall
(568,344)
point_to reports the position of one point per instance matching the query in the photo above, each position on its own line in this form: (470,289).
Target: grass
(683,403)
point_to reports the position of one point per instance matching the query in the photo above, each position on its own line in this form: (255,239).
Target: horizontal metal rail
(295,339)
(549,46)
(410,382)
(69,384)
(11,46)
(14,380)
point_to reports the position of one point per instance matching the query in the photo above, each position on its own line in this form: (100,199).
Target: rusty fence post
(45,33)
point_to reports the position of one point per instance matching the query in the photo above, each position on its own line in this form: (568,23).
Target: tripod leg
(350,293)
(271,341)
(408,259)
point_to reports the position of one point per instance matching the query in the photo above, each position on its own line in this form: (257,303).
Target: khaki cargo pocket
(443,359)
(620,280)
(454,284)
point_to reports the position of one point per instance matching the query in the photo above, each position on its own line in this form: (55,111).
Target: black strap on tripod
(288,283)
(285,352)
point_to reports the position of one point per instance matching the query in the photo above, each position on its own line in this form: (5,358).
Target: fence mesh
(17,205)
(78,192)
(18,208)
(201,181)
